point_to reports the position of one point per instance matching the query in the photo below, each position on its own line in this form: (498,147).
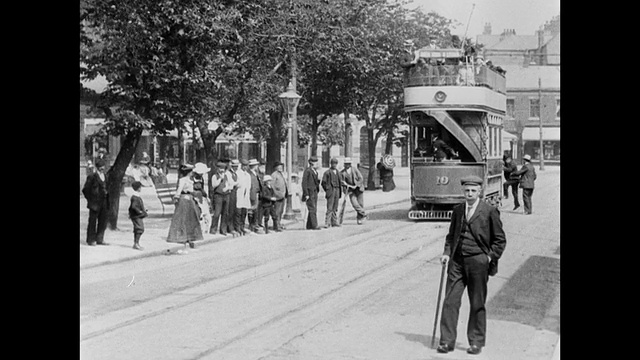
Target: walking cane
(435,322)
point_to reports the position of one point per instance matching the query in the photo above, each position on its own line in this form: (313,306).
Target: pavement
(157,225)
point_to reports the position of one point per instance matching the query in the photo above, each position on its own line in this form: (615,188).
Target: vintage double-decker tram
(462,103)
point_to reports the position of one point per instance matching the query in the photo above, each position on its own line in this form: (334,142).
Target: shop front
(550,142)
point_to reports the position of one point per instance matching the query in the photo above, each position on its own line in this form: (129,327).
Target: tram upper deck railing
(454,75)
(449,67)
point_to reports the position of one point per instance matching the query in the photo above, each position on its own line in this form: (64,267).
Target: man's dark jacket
(486,228)
(527,175)
(310,183)
(95,191)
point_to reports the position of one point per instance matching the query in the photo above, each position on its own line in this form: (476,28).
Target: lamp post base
(288,213)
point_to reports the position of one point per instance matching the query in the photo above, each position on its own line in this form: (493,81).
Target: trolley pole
(540,117)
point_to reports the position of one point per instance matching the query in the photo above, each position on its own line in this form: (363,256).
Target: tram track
(247,276)
(324,297)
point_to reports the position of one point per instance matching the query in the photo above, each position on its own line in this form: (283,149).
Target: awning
(548,133)
(507,136)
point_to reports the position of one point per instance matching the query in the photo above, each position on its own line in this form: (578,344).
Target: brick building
(532,63)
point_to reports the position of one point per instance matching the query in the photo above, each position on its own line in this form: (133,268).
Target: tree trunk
(314,136)
(116,173)
(389,143)
(274,143)
(209,155)
(371,141)
(348,130)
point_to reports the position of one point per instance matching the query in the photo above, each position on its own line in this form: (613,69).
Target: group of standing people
(348,181)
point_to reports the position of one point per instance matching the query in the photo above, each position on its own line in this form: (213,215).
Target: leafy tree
(156,56)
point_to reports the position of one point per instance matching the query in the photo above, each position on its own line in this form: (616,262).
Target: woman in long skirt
(185,223)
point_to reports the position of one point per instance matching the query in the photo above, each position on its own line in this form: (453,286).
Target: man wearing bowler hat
(97,195)
(472,248)
(310,189)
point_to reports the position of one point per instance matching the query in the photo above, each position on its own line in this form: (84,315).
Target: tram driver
(422,150)
(442,150)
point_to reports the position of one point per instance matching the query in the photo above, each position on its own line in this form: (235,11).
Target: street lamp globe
(289,99)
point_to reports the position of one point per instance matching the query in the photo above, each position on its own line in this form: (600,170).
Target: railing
(454,75)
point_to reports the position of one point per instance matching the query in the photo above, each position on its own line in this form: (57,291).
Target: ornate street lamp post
(289,100)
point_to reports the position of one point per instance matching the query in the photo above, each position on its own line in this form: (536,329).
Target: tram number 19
(442,180)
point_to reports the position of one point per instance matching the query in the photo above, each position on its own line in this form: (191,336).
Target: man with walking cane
(474,244)
(354,190)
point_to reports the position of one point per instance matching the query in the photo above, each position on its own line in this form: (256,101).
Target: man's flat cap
(313,158)
(471,180)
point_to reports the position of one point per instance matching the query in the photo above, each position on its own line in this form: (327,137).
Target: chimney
(540,38)
(487,29)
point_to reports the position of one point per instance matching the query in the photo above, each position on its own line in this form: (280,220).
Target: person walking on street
(219,190)
(281,190)
(137,212)
(527,178)
(97,195)
(473,245)
(511,180)
(254,195)
(185,223)
(268,200)
(354,189)
(332,185)
(310,190)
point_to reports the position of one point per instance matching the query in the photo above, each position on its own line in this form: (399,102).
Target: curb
(217,238)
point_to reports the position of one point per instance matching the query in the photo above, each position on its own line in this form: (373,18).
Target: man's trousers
(357,201)
(471,272)
(526,198)
(333,203)
(97,224)
(220,212)
(514,190)
(312,206)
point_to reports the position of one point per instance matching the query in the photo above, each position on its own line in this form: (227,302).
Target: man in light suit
(281,190)
(474,244)
(354,189)
(310,189)
(97,195)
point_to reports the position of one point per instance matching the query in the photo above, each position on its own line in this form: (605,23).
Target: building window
(534,108)
(510,108)
(557,108)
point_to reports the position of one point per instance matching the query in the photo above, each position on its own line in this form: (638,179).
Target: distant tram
(456,109)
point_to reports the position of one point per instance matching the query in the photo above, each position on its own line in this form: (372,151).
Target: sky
(524,16)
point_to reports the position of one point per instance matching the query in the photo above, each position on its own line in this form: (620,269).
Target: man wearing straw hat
(354,184)
(527,178)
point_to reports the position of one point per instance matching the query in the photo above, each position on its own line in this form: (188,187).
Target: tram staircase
(449,123)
